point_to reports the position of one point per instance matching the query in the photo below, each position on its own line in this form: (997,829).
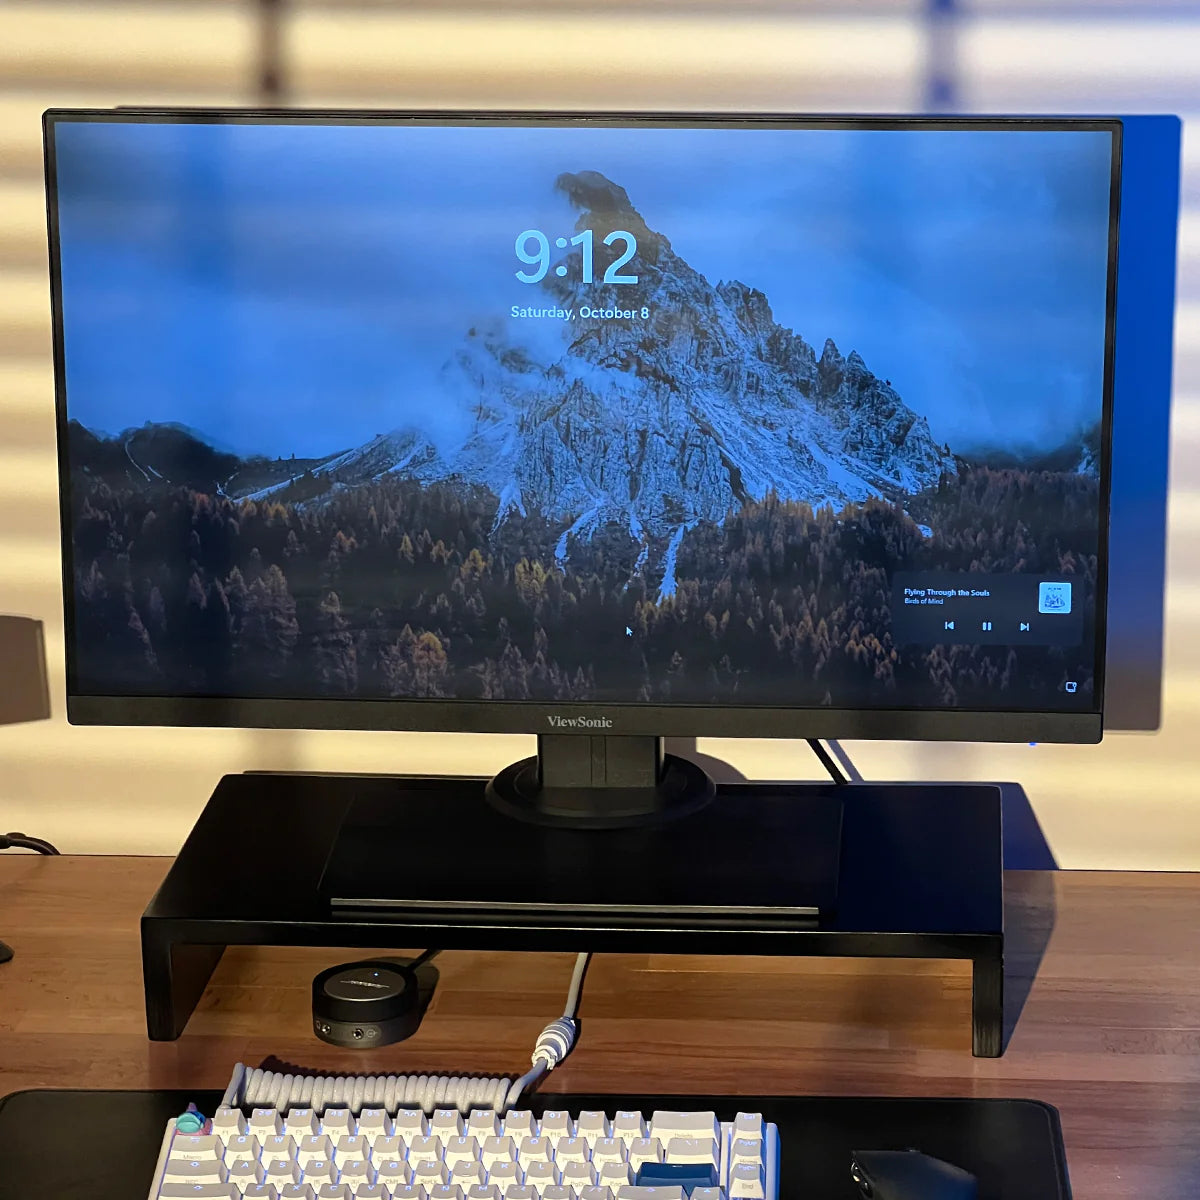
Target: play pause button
(1024,626)
(986,627)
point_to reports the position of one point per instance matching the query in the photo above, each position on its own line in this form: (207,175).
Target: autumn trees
(396,589)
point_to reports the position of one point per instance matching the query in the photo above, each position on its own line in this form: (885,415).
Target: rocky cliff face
(659,423)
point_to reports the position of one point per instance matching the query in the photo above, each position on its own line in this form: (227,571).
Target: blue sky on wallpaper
(295,289)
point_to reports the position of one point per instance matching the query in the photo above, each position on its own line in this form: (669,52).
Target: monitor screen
(572,413)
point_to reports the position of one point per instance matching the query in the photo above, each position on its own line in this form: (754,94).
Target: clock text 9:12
(540,258)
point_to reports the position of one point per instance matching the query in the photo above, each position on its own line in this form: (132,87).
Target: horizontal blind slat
(165,44)
(577,58)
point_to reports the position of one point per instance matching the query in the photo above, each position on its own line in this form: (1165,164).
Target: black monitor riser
(901,870)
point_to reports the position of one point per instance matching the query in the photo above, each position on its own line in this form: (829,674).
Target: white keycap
(407,1191)
(355,1171)
(520,1124)
(391,1171)
(578,1174)
(195,1170)
(483,1123)
(334,1191)
(410,1123)
(748,1125)
(282,1170)
(389,1147)
(505,1172)
(278,1145)
(614,1174)
(644,1150)
(629,1125)
(485,1191)
(633,1192)
(445,1191)
(558,1191)
(371,1191)
(296,1191)
(260,1191)
(199,1191)
(300,1122)
(692,1150)
(320,1170)
(571,1149)
(228,1120)
(374,1123)
(244,1171)
(708,1193)
(196,1145)
(352,1145)
(460,1148)
(242,1145)
(429,1171)
(557,1123)
(466,1172)
(746,1150)
(520,1191)
(446,1123)
(535,1149)
(746,1182)
(337,1121)
(314,1145)
(542,1174)
(265,1121)
(609,1149)
(665,1125)
(421,1148)
(597,1192)
(497,1149)
(592,1125)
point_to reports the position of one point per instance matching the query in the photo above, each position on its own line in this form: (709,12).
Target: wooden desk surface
(1109,1032)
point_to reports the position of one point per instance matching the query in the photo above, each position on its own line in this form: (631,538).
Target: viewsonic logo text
(580,722)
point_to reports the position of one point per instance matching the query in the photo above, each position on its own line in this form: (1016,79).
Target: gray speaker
(25,691)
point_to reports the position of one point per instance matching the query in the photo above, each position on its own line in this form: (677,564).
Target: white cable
(576,987)
(230,1099)
(557,1040)
(282,1091)
(272,1089)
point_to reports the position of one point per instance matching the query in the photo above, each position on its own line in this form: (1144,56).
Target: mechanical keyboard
(373,1151)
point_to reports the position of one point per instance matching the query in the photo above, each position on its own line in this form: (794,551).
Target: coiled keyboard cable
(282,1090)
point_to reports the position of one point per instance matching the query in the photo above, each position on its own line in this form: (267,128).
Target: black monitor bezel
(527,717)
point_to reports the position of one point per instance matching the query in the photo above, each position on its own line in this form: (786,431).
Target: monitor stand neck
(600,782)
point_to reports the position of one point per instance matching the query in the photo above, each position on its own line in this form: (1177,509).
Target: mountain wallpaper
(695,507)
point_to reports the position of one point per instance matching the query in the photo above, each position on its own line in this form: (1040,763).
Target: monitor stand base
(585,782)
(6,952)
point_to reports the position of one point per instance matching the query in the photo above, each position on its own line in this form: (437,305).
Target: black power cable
(22,841)
(827,761)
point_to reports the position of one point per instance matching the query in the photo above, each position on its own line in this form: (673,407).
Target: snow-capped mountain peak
(656,424)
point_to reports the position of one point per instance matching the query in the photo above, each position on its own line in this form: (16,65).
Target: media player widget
(938,607)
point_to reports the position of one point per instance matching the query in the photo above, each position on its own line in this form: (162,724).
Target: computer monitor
(603,428)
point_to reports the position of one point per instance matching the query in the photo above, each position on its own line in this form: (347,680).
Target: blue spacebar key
(684,1175)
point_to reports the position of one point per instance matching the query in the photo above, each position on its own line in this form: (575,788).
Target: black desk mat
(92,1145)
